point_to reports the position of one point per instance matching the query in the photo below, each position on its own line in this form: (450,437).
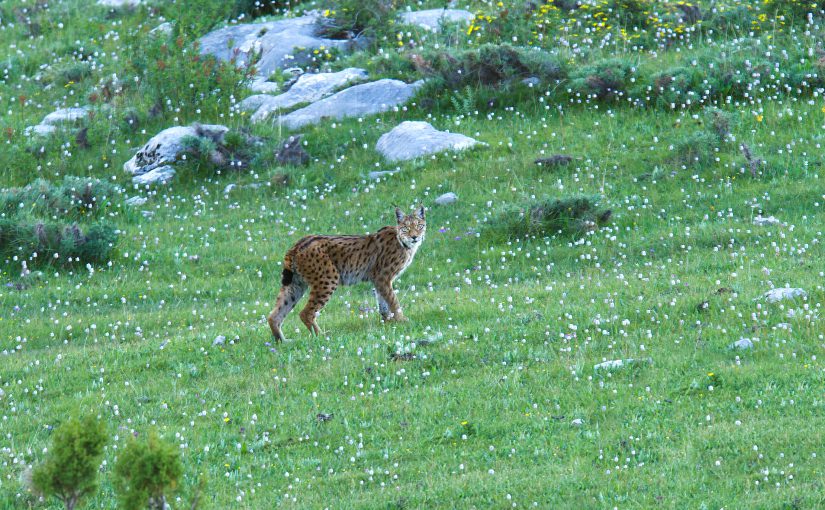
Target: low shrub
(69,471)
(56,242)
(574,216)
(147,471)
(490,64)
(75,197)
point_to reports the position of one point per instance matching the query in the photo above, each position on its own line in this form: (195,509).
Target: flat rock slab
(166,146)
(447,199)
(39,130)
(120,3)
(431,19)
(66,115)
(413,139)
(365,99)
(159,175)
(308,89)
(621,363)
(276,41)
(775,295)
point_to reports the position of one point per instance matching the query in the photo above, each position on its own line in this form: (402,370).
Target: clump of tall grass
(571,216)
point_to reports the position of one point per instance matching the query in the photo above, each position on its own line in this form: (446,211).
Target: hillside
(619,306)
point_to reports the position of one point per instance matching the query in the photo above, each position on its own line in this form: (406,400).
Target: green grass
(483,417)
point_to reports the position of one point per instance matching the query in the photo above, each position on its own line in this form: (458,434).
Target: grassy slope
(484,414)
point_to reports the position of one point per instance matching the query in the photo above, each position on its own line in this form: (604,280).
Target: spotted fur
(322,263)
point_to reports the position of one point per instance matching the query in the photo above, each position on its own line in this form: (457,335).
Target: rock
(164,147)
(120,3)
(365,99)
(381,173)
(252,103)
(578,422)
(531,81)
(147,214)
(228,189)
(447,199)
(413,139)
(431,19)
(769,221)
(619,363)
(275,41)
(39,130)
(2,393)
(742,343)
(219,340)
(323,417)
(292,152)
(774,295)
(163,29)
(136,201)
(264,86)
(159,175)
(308,89)
(66,115)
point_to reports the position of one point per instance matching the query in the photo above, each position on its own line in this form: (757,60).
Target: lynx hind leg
(292,289)
(321,286)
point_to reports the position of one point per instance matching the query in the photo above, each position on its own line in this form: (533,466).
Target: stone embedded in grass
(66,115)
(219,340)
(120,3)
(136,201)
(307,89)
(378,174)
(39,130)
(365,99)
(431,19)
(554,160)
(447,199)
(578,422)
(61,116)
(742,343)
(414,139)
(277,43)
(621,363)
(763,221)
(166,146)
(163,29)
(2,393)
(775,295)
(159,175)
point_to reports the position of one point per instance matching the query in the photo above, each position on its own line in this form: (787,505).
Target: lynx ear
(421,212)
(399,215)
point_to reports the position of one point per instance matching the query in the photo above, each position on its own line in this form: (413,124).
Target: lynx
(322,263)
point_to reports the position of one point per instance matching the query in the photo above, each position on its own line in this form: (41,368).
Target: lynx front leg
(383,307)
(385,292)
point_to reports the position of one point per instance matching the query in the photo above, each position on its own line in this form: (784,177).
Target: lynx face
(411,228)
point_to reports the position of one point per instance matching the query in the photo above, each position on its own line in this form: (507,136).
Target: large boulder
(431,19)
(307,89)
(365,99)
(413,139)
(166,146)
(275,41)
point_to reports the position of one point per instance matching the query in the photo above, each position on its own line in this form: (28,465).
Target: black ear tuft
(399,215)
(421,212)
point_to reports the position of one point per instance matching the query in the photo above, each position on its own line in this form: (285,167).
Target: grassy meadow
(488,397)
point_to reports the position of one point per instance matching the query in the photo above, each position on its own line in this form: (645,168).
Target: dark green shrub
(56,242)
(574,215)
(490,64)
(604,79)
(347,19)
(75,197)
(147,471)
(69,471)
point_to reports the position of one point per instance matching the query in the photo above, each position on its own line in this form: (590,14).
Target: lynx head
(411,227)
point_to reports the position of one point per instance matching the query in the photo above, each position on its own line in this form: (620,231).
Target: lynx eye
(404,229)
